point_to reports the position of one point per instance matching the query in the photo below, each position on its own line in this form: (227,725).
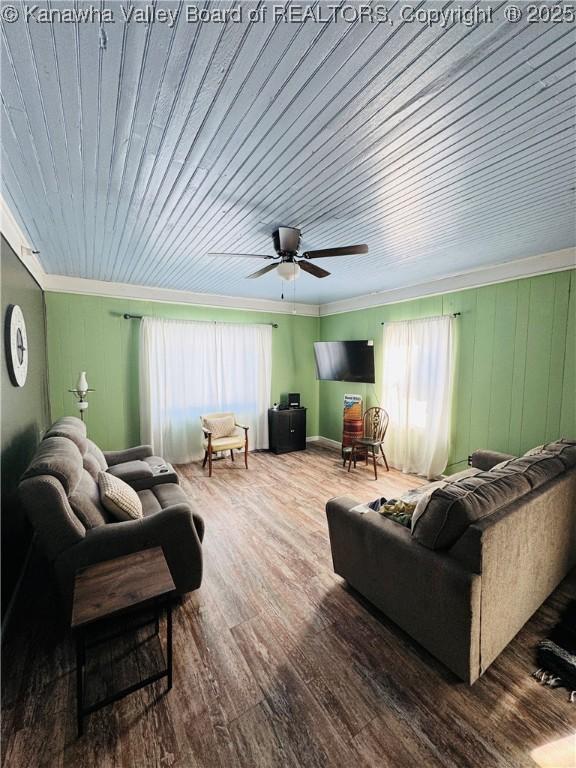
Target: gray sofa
(487,550)
(59,492)
(137,466)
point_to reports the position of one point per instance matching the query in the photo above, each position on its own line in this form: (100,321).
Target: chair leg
(374,462)
(232,454)
(352,458)
(246,453)
(209,463)
(384,457)
(205,459)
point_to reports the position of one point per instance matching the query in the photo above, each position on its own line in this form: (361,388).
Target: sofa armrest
(427,593)
(485,460)
(139,452)
(176,529)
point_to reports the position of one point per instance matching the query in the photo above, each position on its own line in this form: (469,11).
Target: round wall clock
(16,343)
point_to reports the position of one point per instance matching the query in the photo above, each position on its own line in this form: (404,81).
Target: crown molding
(20,243)
(554,261)
(64,284)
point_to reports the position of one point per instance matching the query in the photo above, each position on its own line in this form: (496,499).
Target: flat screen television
(345,361)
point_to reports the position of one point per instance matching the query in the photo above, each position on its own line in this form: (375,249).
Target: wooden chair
(375,426)
(215,444)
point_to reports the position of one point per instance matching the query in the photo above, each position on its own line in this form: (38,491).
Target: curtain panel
(192,368)
(417,380)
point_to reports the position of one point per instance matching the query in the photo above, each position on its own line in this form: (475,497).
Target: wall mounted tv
(345,361)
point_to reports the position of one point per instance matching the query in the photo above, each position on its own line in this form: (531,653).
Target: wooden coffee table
(116,587)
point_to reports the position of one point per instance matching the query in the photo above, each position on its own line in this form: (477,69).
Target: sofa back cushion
(72,422)
(60,458)
(85,501)
(71,433)
(538,468)
(440,520)
(565,450)
(91,465)
(46,504)
(94,451)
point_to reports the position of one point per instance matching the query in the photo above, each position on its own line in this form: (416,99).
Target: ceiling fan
(287,263)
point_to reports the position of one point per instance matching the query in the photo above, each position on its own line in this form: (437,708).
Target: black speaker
(294,399)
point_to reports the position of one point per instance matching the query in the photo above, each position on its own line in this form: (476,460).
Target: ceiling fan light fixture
(288,270)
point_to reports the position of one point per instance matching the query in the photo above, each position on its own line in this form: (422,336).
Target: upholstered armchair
(223,433)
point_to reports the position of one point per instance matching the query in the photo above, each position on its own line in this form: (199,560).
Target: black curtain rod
(128,316)
(454,314)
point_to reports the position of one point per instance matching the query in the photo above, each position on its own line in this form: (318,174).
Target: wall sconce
(81,393)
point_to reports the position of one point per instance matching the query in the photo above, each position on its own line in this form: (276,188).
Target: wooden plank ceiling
(131,150)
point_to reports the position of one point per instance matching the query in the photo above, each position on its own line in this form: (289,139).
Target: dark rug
(556,655)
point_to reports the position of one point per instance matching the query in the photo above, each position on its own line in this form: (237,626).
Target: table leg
(169,642)
(80,661)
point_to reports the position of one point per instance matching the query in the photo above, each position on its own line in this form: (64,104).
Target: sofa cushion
(71,433)
(71,422)
(85,501)
(95,451)
(119,498)
(91,465)
(538,468)
(449,511)
(170,494)
(159,497)
(565,450)
(60,458)
(131,470)
(150,504)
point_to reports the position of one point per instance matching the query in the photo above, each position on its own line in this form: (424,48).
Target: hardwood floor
(276,661)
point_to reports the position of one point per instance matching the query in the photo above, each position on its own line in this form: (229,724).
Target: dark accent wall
(25,413)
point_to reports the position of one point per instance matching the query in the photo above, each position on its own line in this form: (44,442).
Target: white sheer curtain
(192,368)
(417,376)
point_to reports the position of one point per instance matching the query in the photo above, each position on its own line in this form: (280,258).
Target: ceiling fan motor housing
(286,240)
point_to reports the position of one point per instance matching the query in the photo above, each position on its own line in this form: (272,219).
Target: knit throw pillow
(119,498)
(223,426)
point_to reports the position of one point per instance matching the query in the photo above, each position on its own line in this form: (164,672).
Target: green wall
(89,333)
(516,370)
(24,415)
(515,376)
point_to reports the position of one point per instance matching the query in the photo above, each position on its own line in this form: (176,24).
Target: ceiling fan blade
(312,269)
(244,255)
(347,250)
(262,271)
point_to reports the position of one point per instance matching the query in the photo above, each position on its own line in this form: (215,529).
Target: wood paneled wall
(515,381)
(89,333)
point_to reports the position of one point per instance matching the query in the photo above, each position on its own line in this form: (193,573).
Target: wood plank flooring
(276,661)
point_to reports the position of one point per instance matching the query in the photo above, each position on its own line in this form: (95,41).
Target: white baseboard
(325,441)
